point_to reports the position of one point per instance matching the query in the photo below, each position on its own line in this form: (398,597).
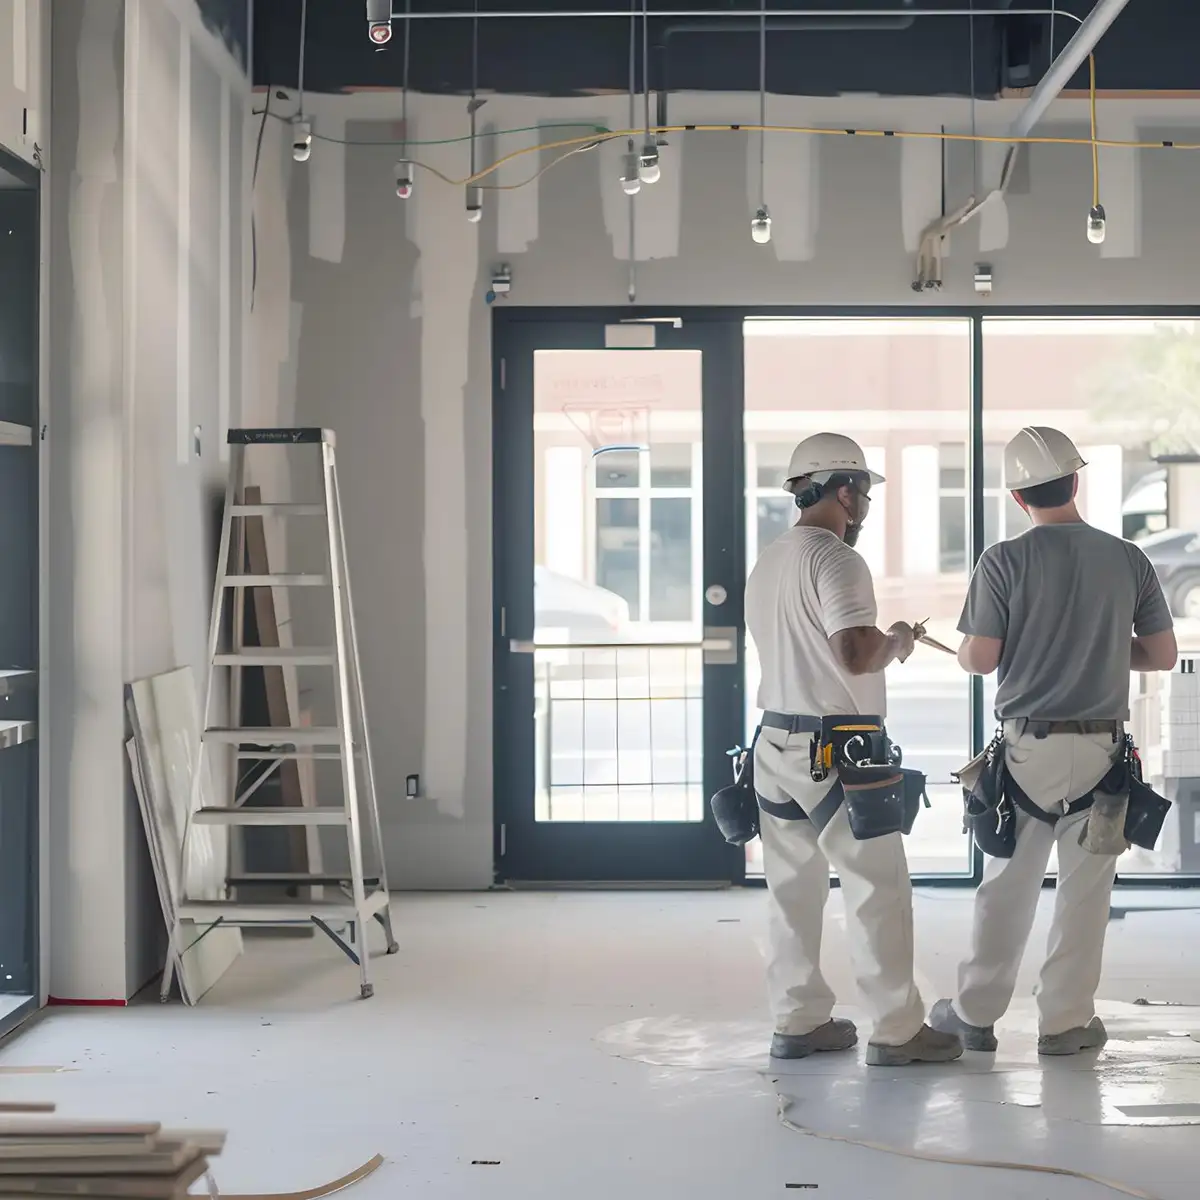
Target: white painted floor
(613,1045)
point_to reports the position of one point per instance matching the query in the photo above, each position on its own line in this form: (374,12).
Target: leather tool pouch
(874,799)
(735,808)
(1147,810)
(988,812)
(914,797)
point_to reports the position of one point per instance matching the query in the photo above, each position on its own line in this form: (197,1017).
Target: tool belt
(880,795)
(991,796)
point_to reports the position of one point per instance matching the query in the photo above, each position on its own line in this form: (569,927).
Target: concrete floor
(607,1044)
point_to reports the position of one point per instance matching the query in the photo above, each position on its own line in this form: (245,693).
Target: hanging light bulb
(302,137)
(760,226)
(631,180)
(404,179)
(649,168)
(1097,224)
(474,205)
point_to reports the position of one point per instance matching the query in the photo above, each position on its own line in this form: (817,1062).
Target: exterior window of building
(1002,516)
(648,531)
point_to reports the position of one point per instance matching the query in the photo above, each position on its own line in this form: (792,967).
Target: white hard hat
(825,454)
(1039,454)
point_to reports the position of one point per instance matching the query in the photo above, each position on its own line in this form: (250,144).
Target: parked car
(570,610)
(1175,555)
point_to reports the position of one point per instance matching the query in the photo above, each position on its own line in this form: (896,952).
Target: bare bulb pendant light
(302,130)
(474,193)
(631,166)
(404,169)
(760,224)
(1097,220)
(649,167)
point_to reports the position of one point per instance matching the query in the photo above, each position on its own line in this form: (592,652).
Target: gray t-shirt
(1066,601)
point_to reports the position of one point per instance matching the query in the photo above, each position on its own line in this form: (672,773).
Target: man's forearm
(865,650)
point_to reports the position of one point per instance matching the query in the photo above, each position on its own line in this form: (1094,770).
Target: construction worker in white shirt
(1065,611)
(810,608)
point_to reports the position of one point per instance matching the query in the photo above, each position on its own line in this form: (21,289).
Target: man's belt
(790,723)
(1041,729)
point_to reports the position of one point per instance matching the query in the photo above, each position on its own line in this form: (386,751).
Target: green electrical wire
(318,137)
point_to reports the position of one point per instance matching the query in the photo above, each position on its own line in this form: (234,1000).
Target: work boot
(973,1037)
(929,1046)
(1091,1036)
(833,1035)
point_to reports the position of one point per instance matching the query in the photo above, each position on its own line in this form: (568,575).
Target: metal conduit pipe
(744,14)
(1074,54)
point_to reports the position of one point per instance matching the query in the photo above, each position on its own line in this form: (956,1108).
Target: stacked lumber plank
(45,1157)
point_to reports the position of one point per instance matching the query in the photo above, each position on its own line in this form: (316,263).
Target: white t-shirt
(806,586)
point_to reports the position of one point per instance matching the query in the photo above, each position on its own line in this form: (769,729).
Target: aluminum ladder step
(272,754)
(277,510)
(271,656)
(296,879)
(283,580)
(247,814)
(280,912)
(274,735)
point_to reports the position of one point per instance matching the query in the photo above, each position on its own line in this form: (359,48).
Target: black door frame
(21,702)
(507,320)
(669,852)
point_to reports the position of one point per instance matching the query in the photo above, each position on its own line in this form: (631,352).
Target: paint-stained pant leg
(877,892)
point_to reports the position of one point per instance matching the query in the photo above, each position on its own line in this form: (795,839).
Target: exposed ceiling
(1151,47)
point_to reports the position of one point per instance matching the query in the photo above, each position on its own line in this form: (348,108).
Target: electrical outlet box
(412,786)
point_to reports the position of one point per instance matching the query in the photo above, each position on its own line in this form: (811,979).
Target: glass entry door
(619,578)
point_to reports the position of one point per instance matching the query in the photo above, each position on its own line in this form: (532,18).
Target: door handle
(720,645)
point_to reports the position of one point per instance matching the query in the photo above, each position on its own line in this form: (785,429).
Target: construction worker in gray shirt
(1063,612)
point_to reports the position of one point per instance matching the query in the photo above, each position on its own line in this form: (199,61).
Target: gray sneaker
(929,1046)
(1091,1036)
(832,1036)
(974,1037)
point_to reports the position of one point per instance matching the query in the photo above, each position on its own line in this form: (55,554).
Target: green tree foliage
(1150,389)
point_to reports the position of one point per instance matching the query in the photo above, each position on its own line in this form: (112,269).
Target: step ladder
(341,906)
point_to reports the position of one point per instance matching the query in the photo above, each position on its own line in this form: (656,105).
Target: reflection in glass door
(619,601)
(902,389)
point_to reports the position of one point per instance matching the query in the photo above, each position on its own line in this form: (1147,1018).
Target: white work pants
(878,895)
(1061,766)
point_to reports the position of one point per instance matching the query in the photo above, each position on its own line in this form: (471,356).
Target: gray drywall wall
(88,804)
(342,262)
(149,244)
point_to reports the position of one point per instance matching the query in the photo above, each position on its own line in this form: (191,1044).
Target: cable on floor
(785,1106)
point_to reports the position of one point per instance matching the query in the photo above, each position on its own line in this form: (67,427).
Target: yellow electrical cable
(1095,144)
(1002,139)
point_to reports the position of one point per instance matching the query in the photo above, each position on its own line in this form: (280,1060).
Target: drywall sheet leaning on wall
(163,712)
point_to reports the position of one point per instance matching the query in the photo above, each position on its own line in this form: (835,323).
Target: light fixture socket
(649,167)
(301,140)
(1097,224)
(760,226)
(474,204)
(404,179)
(631,179)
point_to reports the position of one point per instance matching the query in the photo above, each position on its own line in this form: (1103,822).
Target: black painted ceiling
(1151,46)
